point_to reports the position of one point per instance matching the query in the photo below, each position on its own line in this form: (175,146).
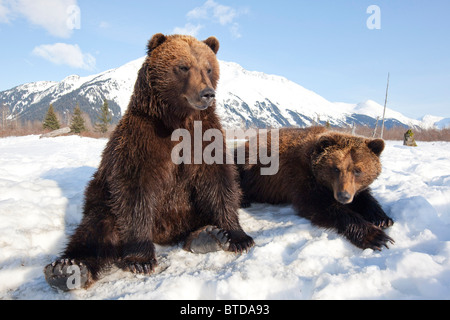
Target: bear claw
(385,223)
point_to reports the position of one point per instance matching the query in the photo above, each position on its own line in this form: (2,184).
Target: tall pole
(385,104)
(376,128)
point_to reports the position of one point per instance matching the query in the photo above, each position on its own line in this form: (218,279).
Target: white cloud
(4,12)
(66,54)
(212,10)
(215,12)
(188,29)
(58,17)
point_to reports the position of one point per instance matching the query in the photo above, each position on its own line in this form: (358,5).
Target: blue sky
(323,45)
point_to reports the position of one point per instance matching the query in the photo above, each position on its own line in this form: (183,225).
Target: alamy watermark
(374,21)
(214,152)
(74,281)
(73,17)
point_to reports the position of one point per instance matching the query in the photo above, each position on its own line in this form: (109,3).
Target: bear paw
(240,242)
(375,239)
(208,239)
(67,275)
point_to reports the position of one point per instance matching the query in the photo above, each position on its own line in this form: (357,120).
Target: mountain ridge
(244,98)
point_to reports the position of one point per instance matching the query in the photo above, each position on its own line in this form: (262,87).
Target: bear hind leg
(92,248)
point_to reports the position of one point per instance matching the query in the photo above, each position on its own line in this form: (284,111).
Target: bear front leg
(133,206)
(366,205)
(217,200)
(326,213)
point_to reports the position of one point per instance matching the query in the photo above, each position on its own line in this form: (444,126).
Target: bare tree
(4,113)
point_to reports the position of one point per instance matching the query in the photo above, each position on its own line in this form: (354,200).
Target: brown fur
(138,196)
(326,176)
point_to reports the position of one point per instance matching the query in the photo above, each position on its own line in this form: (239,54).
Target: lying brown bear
(326,176)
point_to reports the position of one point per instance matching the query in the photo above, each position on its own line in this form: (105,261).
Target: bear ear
(376,146)
(157,40)
(213,43)
(324,142)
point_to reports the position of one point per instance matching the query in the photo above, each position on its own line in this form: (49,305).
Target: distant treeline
(15,128)
(79,122)
(397,133)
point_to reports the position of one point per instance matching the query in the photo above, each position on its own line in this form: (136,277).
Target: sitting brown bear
(326,176)
(139,196)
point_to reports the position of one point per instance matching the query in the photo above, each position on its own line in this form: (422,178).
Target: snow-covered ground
(42,183)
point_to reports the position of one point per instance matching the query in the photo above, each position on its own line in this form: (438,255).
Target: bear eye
(357,172)
(209,71)
(336,169)
(184,68)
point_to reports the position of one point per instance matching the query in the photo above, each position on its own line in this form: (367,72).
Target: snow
(42,182)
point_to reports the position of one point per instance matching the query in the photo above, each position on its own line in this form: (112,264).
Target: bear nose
(344,197)
(207,95)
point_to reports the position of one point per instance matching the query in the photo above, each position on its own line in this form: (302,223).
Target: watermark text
(263,147)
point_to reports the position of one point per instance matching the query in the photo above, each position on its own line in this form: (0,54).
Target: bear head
(346,164)
(183,72)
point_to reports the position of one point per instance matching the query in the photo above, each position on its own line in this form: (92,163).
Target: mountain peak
(72,78)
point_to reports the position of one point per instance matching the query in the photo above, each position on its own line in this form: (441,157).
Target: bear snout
(344,197)
(207,96)
(202,100)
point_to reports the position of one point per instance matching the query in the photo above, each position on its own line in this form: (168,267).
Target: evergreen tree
(51,121)
(77,124)
(104,119)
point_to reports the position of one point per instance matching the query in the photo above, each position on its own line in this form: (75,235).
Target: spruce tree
(77,124)
(104,119)
(51,121)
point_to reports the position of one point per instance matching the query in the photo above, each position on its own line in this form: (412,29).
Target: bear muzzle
(207,97)
(344,197)
(203,100)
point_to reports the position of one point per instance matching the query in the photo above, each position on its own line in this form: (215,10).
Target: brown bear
(138,196)
(326,176)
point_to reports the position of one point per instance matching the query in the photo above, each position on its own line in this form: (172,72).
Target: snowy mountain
(245,98)
(31,101)
(255,98)
(429,121)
